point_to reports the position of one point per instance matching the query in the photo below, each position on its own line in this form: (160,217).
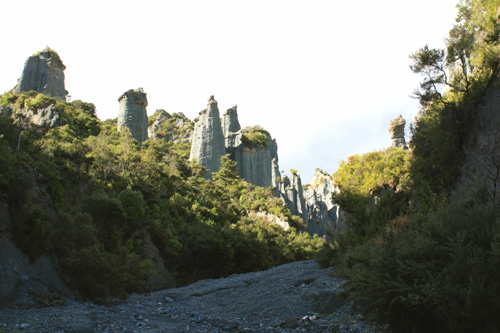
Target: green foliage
(433,272)
(439,134)
(98,201)
(431,266)
(52,52)
(360,175)
(255,136)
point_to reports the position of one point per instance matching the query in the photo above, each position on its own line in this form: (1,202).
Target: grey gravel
(295,297)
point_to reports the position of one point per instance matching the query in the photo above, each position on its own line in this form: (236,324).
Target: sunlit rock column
(43,72)
(133,113)
(208,144)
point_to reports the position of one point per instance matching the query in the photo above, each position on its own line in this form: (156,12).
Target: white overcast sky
(323,77)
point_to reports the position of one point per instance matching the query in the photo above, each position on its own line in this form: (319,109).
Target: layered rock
(212,139)
(133,114)
(255,165)
(313,204)
(208,144)
(291,192)
(324,216)
(397,131)
(232,130)
(43,72)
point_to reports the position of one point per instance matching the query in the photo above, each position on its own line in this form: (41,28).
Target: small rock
(24,326)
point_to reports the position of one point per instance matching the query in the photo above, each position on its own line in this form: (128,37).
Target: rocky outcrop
(46,117)
(212,139)
(43,72)
(23,282)
(255,165)
(324,216)
(230,123)
(175,128)
(397,131)
(270,218)
(291,192)
(314,203)
(161,118)
(208,144)
(482,149)
(133,114)
(232,131)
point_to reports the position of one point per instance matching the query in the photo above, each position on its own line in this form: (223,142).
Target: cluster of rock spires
(210,140)
(259,166)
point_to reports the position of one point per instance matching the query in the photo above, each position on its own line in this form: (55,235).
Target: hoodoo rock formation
(397,131)
(232,131)
(291,192)
(323,215)
(258,165)
(313,204)
(133,113)
(208,144)
(43,72)
(212,140)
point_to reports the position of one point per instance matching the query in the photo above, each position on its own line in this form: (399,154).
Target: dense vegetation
(113,212)
(418,252)
(255,136)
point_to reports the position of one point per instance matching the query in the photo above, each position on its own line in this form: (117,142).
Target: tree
(228,173)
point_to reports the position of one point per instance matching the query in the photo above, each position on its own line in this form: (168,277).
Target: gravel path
(295,297)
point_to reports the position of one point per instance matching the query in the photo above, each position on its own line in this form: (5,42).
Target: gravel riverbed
(295,297)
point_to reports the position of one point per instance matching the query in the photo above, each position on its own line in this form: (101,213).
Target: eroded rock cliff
(322,213)
(208,144)
(43,72)
(133,114)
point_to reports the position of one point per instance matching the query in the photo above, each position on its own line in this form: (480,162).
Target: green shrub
(255,136)
(436,272)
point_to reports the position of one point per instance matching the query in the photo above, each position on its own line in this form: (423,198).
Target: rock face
(153,129)
(314,204)
(322,213)
(212,139)
(208,144)
(397,131)
(176,128)
(259,166)
(232,131)
(482,149)
(291,192)
(47,117)
(43,72)
(23,282)
(133,113)
(256,165)
(230,123)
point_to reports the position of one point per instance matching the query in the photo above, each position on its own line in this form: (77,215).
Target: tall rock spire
(231,129)
(43,72)
(397,131)
(133,113)
(208,144)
